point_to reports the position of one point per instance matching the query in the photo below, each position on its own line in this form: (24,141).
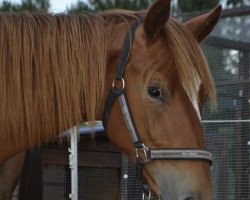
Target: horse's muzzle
(175,182)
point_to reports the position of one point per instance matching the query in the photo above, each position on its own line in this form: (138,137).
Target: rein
(143,153)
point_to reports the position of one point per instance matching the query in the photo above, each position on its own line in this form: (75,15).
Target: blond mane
(190,61)
(52,70)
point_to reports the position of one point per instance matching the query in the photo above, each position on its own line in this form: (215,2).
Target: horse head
(162,81)
(166,82)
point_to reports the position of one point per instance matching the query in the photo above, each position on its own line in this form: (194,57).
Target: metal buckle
(147,196)
(142,153)
(146,192)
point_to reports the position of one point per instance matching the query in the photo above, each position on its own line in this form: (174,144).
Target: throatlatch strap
(120,72)
(108,105)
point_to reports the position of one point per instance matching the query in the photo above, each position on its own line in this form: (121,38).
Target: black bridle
(143,153)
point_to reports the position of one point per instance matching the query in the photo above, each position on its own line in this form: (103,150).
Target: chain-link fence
(228,129)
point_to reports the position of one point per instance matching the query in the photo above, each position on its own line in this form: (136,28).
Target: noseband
(143,153)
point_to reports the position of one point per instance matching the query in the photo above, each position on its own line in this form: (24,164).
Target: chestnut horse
(56,71)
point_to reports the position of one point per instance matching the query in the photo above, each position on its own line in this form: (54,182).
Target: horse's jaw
(173,182)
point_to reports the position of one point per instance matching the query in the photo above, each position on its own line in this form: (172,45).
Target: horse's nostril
(191,198)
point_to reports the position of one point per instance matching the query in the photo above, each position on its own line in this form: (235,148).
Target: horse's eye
(155,92)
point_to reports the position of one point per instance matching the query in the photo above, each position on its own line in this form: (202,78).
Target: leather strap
(114,92)
(171,154)
(180,154)
(128,41)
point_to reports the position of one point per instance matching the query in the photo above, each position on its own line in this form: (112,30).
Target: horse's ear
(203,25)
(156,17)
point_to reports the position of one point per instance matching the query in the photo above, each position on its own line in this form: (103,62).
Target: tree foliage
(25,5)
(100,5)
(196,5)
(235,3)
(182,6)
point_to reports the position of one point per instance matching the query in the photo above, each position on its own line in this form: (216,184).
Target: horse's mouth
(188,197)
